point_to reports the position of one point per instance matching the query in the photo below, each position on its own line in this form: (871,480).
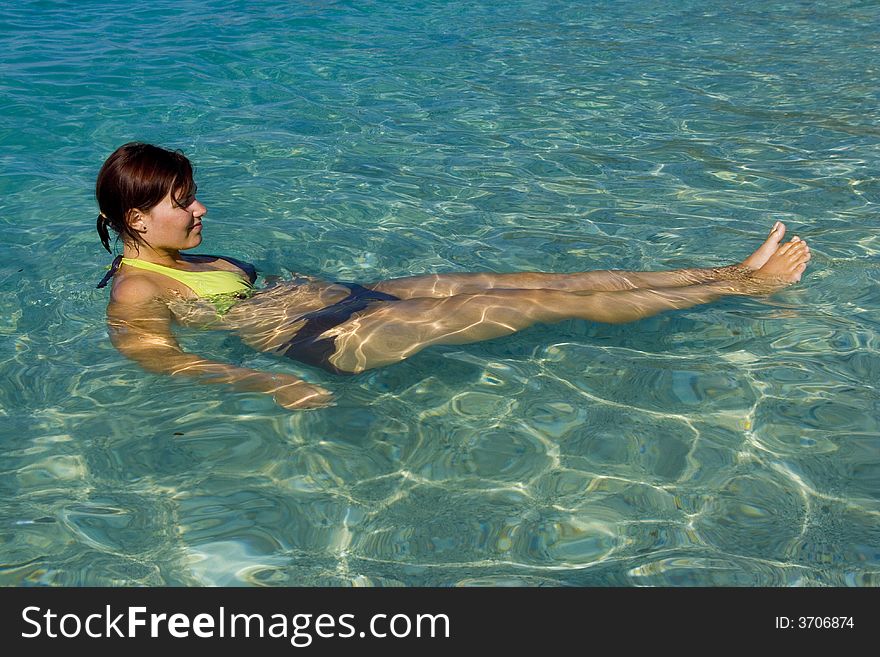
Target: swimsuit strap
(113,268)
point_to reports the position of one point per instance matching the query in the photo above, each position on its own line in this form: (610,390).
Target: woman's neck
(167,257)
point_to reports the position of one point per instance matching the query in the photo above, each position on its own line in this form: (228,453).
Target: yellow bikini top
(203,283)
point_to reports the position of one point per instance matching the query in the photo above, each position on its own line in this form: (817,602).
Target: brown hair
(137,176)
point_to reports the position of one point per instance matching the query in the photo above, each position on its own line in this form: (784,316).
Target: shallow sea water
(729,444)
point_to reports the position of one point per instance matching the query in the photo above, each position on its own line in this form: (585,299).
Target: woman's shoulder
(135,289)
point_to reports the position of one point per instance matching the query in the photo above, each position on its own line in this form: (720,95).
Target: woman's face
(174,226)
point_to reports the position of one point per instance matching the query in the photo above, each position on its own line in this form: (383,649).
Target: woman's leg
(396,330)
(603,280)
(606,280)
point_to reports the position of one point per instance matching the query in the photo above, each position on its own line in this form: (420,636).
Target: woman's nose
(198,209)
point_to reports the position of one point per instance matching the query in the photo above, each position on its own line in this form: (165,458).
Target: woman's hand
(295,394)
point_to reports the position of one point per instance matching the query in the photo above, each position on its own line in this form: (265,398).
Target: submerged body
(224,290)
(347,327)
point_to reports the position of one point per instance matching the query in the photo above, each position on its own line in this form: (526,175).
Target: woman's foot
(767,249)
(785,266)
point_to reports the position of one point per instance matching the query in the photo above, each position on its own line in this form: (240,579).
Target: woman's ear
(135,219)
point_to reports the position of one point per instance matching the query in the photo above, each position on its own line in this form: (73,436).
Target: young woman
(146,195)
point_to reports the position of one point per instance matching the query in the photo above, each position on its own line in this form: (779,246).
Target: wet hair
(137,176)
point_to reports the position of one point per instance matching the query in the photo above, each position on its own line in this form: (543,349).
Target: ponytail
(103,233)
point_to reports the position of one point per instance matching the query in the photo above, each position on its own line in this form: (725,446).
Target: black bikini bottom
(308,348)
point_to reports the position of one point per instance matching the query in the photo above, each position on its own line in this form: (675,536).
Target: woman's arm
(140,328)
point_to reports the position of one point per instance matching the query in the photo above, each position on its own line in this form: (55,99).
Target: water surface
(730,444)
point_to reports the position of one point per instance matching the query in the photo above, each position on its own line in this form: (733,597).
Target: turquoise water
(728,444)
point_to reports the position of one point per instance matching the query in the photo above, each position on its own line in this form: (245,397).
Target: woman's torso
(265,319)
